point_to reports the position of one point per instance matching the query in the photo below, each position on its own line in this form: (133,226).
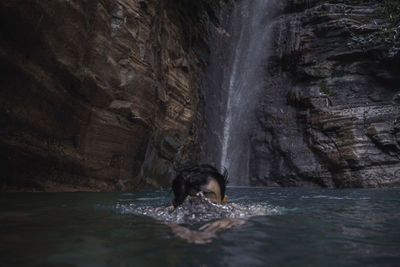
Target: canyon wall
(103,95)
(330,114)
(95,95)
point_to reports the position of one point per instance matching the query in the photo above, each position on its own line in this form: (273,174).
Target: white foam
(198,209)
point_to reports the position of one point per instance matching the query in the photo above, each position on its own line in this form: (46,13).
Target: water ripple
(198,209)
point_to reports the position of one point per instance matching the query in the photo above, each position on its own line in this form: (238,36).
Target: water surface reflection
(312,227)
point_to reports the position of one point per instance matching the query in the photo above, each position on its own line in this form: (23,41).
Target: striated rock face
(102,95)
(95,95)
(330,113)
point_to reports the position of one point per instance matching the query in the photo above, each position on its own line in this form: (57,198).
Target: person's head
(199,178)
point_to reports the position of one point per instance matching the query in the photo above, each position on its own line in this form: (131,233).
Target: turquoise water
(304,227)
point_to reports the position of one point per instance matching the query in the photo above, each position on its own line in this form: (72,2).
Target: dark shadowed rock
(329,116)
(103,95)
(93,95)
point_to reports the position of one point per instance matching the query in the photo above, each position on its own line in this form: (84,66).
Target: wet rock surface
(96,95)
(102,95)
(330,113)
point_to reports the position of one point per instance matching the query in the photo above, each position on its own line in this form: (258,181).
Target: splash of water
(197,209)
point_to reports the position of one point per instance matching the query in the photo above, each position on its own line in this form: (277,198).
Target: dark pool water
(308,227)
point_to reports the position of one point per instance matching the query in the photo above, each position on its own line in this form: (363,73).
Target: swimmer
(206,179)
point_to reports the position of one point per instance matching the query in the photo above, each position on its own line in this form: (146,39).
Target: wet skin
(205,233)
(212,191)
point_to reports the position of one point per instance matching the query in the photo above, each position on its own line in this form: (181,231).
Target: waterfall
(232,85)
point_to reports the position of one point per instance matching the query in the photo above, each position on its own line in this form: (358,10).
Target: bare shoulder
(221,225)
(206,232)
(191,236)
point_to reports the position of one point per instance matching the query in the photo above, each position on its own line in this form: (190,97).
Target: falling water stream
(283,226)
(237,68)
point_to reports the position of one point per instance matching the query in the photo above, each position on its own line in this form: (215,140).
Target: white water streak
(228,116)
(250,43)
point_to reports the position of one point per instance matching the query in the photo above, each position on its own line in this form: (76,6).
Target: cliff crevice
(97,95)
(332,110)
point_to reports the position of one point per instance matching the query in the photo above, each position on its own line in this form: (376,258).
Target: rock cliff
(330,113)
(102,95)
(96,95)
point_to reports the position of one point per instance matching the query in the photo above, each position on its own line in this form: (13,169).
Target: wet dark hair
(189,179)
